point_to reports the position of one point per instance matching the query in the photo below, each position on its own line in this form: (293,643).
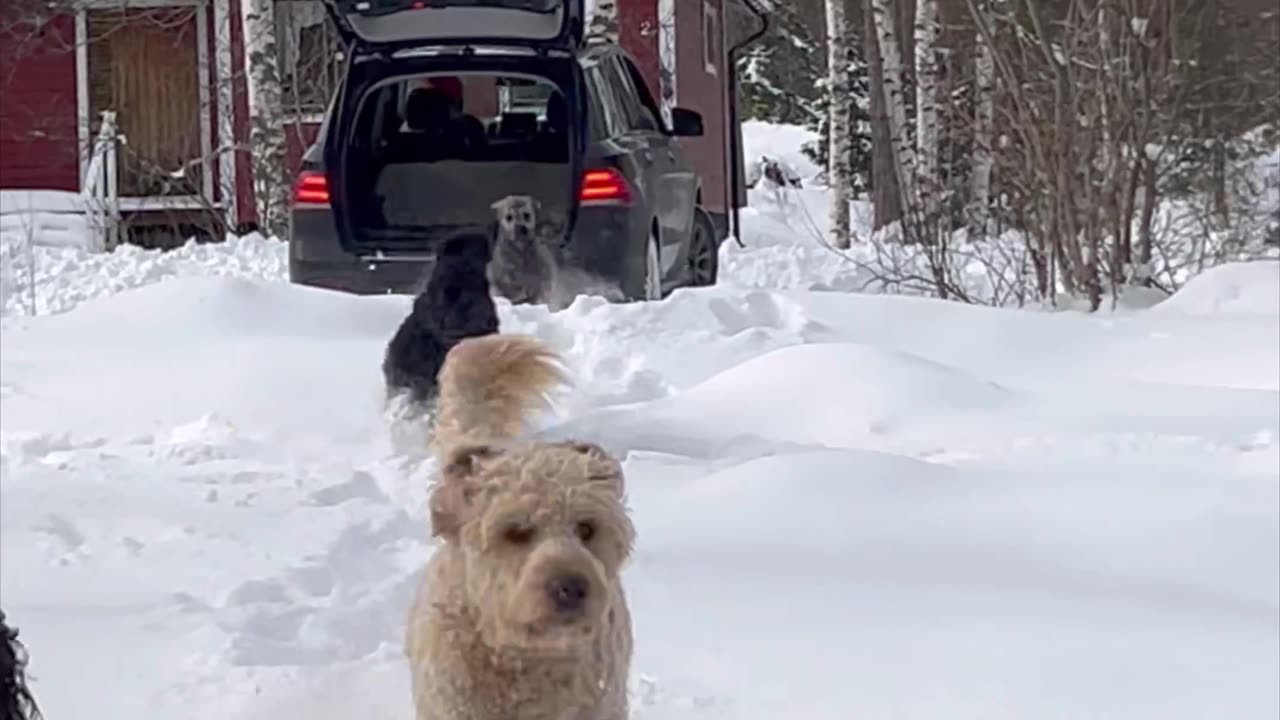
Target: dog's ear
(498,204)
(453,500)
(602,466)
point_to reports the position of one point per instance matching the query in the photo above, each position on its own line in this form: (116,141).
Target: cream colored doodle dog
(521,614)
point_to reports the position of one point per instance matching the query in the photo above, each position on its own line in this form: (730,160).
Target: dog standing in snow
(521,611)
(455,304)
(523,267)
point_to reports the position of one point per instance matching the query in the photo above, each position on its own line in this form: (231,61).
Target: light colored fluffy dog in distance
(523,267)
(521,614)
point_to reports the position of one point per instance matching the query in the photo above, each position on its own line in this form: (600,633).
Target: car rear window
(437,151)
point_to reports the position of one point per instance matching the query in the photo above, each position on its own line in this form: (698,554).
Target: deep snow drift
(849,506)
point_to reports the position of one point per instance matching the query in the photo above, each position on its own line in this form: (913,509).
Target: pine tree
(783,74)
(859,107)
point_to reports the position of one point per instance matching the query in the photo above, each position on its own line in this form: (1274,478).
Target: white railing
(100,185)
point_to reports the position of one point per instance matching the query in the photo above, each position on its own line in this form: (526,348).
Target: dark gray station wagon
(450,105)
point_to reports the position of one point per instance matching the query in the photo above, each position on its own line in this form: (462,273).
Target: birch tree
(271,180)
(224,94)
(928,180)
(886,198)
(884,18)
(839,145)
(979,214)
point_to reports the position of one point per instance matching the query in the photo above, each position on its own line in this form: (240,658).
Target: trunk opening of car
(427,155)
(449,106)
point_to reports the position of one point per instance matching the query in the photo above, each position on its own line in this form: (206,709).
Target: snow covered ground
(849,506)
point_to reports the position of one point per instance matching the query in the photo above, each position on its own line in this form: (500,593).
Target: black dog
(456,304)
(16,702)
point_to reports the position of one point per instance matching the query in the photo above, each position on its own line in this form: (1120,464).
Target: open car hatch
(398,24)
(403,180)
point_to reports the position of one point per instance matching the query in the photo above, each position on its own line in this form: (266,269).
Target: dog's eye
(585,530)
(518,534)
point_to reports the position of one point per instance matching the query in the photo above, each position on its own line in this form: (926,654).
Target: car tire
(704,251)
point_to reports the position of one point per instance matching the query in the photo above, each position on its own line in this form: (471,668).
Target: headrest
(557,112)
(425,107)
(518,123)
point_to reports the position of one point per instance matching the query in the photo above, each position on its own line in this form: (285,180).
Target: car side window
(596,113)
(638,117)
(640,91)
(611,108)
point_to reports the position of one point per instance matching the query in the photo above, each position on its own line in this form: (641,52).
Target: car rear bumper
(316,258)
(397,278)
(603,245)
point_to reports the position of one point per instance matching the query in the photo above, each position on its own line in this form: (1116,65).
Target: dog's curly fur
(490,634)
(455,304)
(16,701)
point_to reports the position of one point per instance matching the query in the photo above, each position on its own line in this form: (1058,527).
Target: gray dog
(523,267)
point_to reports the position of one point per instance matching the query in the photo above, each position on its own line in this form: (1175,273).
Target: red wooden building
(173,71)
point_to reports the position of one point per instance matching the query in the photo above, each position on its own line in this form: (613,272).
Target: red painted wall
(638,33)
(707,93)
(38,140)
(696,89)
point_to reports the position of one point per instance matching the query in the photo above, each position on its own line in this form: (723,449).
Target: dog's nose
(568,592)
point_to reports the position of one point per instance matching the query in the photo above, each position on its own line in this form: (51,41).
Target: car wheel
(704,260)
(652,268)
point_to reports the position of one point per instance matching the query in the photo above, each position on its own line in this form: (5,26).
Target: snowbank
(51,218)
(839,497)
(782,143)
(38,280)
(1251,288)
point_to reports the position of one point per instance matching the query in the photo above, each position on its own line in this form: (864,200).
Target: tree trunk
(271,180)
(886,200)
(983,132)
(225,155)
(840,141)
(904,164)
(928,187)
(604,20)
(667,57)
(1221,214)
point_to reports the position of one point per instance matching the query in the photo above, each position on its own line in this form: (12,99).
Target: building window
(710,37)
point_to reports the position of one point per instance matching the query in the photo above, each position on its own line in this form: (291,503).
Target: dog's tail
(489,387)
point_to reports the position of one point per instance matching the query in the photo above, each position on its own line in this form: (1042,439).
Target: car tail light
(606,186)
(312,188)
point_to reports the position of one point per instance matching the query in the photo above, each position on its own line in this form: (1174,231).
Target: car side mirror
(686,122)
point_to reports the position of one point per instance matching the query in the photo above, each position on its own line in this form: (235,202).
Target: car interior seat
(430,131)
(553,136)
